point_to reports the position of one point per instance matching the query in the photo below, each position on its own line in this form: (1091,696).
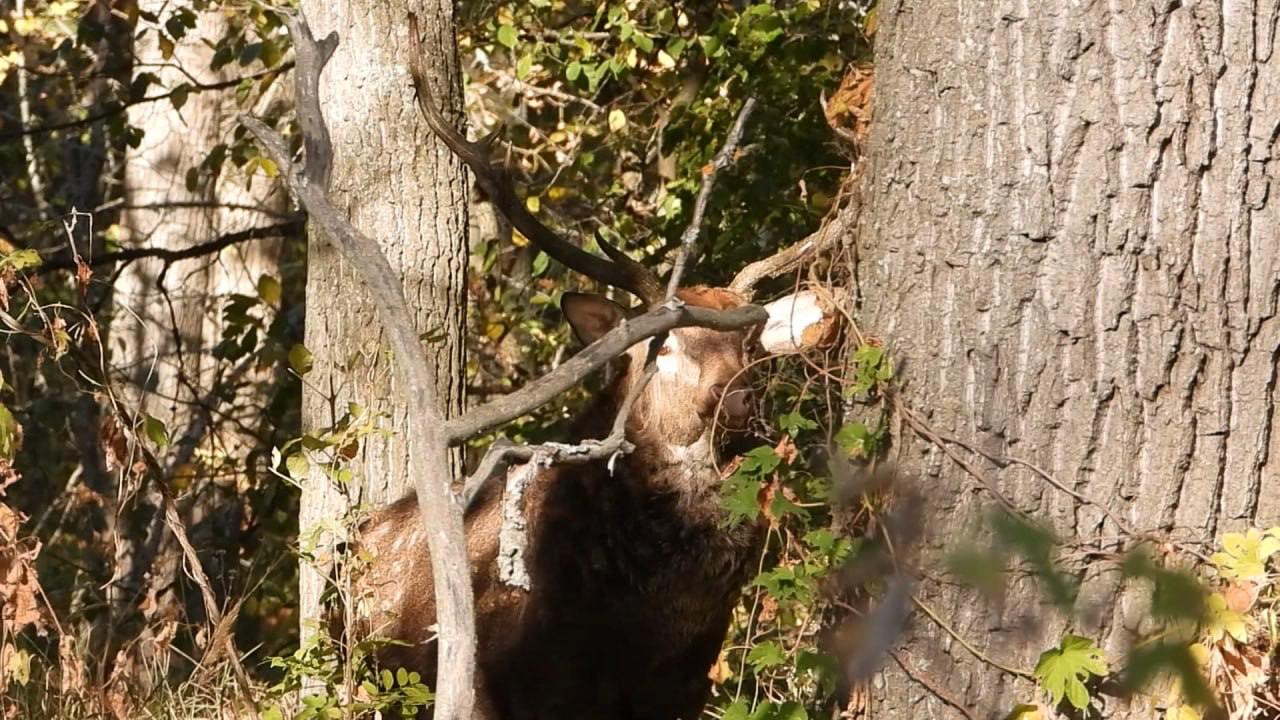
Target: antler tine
(792,257)
(500,188)
(647,285)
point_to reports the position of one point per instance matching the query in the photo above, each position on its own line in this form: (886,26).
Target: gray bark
(1069,244)
(400,186)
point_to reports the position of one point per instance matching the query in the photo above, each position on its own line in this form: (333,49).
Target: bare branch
(724,158)
(117,108)
(655,322)
(66,261)
(623,272)
(439,511)
(502,454)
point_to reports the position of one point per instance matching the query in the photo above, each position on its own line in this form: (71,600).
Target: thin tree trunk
(402,187)
(1069,246)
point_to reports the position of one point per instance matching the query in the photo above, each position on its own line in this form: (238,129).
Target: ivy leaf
(792,423)
(1062,671)
(1220,620)
(766,655)
(740,497)
(1245,555)
(760,461)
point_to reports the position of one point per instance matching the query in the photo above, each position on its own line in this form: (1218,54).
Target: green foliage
(379,693)
(1064,670)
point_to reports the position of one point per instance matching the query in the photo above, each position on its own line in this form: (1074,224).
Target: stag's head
(700,377)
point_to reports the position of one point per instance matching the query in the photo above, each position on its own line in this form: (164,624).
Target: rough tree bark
(1069,244)
(400,186)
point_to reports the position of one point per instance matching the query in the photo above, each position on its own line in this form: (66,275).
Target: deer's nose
(736,400)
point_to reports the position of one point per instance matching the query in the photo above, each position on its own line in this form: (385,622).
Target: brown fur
(634,576)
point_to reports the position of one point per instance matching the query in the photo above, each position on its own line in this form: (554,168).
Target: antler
(619,270)
(794,256)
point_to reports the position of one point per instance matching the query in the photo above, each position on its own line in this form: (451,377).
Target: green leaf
(269,290)
(178,96)
(766,655)
(300,359)
(524,66)
(540,263)
(738,711)
(8,434)
(791,710)
(507,36)
(156,431)
(740,496)
(298,466)
(1062,671)
(792,423)
(760,461)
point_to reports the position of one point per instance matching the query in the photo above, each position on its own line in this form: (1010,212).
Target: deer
(634,573)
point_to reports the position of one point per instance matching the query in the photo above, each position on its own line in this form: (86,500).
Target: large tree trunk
(404,188)
(1069,244)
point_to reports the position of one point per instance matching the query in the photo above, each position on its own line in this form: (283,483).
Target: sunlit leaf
(1063,671)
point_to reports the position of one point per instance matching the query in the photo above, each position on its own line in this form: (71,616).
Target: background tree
(166,337)
(1068,245)
(402,188)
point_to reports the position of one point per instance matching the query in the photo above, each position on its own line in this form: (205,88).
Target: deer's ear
(797,322)
(590,316)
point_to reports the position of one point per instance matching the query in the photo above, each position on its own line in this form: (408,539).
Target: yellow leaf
(1221,620)
(269,290)
(166,47)
(633,58)
(183,475)
(1200,653)
(533,203)
(617,120)
(721,672)
(1025,711)
(1245,555)
(665,60)
(495,330)
(268,167)
(556,193)
(25,25)
(17,665)
(518,239)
